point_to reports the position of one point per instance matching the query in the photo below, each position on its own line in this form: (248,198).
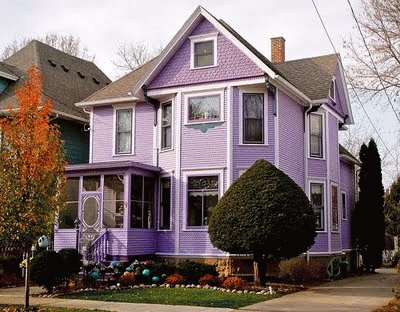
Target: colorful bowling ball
(95,275)
(114,264)
(155,279)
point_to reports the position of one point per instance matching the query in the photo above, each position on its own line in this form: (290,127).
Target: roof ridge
(309,58)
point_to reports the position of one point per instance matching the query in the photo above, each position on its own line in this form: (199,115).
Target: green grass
(20,308)
(175,296)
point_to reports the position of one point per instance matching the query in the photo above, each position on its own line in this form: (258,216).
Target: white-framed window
(317,197)
(165,204)
(113,201)
(166,125)
(123,130)
(142,202)
(203,190)
(69,214)
(316,135)
(332,89)
(203,51)
(334,208)
(344,205)
(253,118)
(204,107)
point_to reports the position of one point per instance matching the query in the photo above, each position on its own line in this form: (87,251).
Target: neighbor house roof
(66,79)
(312,76)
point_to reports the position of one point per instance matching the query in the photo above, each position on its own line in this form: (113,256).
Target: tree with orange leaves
(31,167)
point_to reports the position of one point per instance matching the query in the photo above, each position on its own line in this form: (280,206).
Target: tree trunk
(259,269)
(27,281)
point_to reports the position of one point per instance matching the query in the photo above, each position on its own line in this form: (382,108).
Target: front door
(91,224)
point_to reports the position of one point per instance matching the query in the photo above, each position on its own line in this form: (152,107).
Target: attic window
(332,89)
(96,81)
(81,75)
(65,68)
(52,63)
(203,51)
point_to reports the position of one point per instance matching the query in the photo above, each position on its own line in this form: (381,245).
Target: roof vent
(81,75)
(96,81)
(65,68)
(52,63)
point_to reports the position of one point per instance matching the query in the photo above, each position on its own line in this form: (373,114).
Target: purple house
(168,139)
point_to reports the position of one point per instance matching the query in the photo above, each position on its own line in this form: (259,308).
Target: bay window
(335,209)
(317,202)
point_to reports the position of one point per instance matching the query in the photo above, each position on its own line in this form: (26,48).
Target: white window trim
(170,100)
(163,176)
(202,38)
(334,90)
(341,204)
(339,207)
(265,133)
(115,108)
(187,96)
(324,138)
(316,181)
(199,173)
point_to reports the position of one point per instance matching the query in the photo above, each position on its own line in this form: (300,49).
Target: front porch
(110,210)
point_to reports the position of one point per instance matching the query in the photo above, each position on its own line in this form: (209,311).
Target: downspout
(54,118)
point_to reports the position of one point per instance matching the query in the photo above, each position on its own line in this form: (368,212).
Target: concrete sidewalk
(364,293)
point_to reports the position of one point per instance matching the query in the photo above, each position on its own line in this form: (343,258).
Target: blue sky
(104,25)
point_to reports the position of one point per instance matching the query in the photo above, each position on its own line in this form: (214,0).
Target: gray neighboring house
(66,80)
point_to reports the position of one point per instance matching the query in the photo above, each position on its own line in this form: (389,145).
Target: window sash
(316,136)
(203,53)
(335,209)
(166,126)
(253,118)
(123,131)
(319,207)
(344,206)
(165,204)
(142,202)
(204,108)
(200,201)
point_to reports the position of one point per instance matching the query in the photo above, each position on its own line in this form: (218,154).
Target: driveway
(364,293)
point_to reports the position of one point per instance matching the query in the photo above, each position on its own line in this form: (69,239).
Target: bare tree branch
(66,43)
(130,56)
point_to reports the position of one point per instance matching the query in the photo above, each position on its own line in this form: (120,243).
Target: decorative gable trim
(350,119)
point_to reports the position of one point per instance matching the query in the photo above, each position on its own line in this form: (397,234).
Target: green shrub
(10,264)
(46,270)
(234,282)
(298,271)
(71,262)
(192,271)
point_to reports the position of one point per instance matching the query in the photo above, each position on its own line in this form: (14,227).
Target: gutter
(8,76)
(108,101)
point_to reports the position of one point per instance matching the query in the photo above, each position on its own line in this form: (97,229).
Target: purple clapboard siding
(347,184)
(103,132)
(336,244)
(232,63)
(291,138)
(65,238)
(244,156)
(321,243)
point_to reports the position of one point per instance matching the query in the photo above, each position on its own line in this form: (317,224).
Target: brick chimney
(277,50)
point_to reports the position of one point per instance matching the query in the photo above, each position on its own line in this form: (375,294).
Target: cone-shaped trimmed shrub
(264,213)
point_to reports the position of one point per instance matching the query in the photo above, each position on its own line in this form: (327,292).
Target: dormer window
(203,51)
(332,89)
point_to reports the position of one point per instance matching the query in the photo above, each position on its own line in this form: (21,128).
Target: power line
(372,60)
(351,83)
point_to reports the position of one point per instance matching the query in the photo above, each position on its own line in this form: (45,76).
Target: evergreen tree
(392,208)
(264,213)
(369,226)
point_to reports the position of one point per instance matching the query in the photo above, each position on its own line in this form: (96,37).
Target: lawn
(175,296)
(20,308)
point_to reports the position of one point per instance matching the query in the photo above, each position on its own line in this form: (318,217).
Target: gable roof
(312,76)
(66,79)
(306,79)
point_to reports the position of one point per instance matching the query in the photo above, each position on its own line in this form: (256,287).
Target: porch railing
(99,247)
